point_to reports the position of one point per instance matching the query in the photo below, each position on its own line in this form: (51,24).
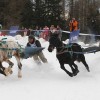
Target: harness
(65,47)
(9,50)
(71,51)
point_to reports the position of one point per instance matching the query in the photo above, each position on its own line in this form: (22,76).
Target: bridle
(62,49)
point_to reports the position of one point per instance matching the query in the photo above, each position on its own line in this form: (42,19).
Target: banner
(13,30)
(74,36)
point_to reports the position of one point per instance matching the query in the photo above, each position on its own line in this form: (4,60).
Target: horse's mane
(12,44)
(55,40)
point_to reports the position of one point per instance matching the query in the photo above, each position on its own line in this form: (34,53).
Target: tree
(12,12)
(27,14)
(48,12)
(2,14)
(85,11)
(54,12)
(16,12)
(39,11)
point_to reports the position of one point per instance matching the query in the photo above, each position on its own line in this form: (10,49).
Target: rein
(71,51)
(63,47)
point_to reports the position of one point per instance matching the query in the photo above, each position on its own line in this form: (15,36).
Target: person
(37,32)
(74,31)
(0,29)
(59,32)
(25,31)
(73,25)
(46,32)
(52,29)
(32,42)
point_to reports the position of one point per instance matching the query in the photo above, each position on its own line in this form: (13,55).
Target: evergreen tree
(27,14)
(53,12)
(16,12)
(39,8)
(48,12)
(2,14)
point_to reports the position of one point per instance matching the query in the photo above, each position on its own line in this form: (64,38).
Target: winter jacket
(73,25)
(36,43)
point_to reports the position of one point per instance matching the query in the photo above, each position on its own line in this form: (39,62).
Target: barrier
(81,33)
(49,30)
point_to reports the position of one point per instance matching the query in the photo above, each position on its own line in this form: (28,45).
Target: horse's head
(54,41)
(51,48)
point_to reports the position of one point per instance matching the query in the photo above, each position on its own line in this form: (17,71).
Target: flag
(74,36)
(13,30)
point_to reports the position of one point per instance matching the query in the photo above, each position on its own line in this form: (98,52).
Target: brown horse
(7,50)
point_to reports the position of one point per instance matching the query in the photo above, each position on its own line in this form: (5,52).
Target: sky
(48,81)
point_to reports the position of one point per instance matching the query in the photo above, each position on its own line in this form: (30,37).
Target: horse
(7,50)
(67,54)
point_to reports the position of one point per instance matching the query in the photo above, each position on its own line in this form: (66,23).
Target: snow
(48,81)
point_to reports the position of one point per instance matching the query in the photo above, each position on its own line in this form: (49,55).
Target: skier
(32,42)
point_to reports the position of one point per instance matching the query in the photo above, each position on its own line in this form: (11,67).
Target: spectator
(37,32)
(0,29)
(29,31)
(25,32)
(52,30)
(73,25)
(59,32)
(74,31)
(0,26)
(45,33)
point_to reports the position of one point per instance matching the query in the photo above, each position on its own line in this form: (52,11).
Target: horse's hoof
(88,69)
(19,76)
(6,72)
(71,75)
(11,72)
(76,72)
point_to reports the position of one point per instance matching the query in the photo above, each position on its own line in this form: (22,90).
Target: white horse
(7,50)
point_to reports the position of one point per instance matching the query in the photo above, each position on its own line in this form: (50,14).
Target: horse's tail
(78,58)
(79,51)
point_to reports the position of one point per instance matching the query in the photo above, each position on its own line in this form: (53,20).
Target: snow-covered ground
(48,81)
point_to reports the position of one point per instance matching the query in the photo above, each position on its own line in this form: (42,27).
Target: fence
(87,38)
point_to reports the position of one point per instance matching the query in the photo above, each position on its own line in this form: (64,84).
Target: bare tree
(85,11)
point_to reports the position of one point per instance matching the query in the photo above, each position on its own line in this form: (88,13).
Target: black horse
(67,54)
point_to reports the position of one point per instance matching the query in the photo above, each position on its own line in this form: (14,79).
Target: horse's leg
(75,71)
(3,70)
(10,66)
(19,66)
(63,68)
(76,68)
(82,57)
